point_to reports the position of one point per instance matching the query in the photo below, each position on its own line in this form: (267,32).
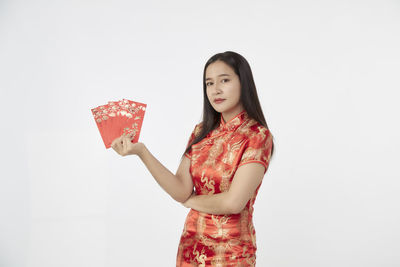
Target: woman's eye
(222,80)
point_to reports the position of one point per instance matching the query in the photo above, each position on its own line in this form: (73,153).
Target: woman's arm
(246,180)
(178,186)
(212,204)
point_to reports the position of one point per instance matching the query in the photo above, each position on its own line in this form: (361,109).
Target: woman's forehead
(218,69)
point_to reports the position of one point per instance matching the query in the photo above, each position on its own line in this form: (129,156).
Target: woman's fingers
(122,145)
(116,145)
(113,143)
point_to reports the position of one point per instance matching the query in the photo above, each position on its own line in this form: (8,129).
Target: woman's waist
(244,218)
(219,227)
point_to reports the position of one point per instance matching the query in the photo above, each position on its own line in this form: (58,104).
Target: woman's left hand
(123,146)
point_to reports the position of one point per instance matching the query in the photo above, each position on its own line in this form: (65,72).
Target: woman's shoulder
(254,129)
(198,128)
(196,131)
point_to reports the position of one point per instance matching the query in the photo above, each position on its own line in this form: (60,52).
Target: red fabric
(223,240)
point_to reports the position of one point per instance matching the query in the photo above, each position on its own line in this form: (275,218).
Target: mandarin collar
(233,123)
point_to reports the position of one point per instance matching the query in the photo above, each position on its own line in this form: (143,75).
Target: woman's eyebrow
(219,76)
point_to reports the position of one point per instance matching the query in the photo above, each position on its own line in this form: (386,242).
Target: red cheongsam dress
(223,240)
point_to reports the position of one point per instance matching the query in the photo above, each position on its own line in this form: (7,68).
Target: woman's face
(222,82)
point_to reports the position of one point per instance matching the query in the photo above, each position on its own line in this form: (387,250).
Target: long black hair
(248,96)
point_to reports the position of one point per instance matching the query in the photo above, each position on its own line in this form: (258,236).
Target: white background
(327,75)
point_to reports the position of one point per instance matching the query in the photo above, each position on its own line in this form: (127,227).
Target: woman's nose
(217,89)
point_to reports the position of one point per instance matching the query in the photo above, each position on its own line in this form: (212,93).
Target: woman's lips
(219,101)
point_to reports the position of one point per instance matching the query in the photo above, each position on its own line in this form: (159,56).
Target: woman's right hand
(123,146)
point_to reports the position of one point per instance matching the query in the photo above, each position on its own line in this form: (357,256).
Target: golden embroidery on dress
(208,183)
(244,226)
(252,234)
(201,258)
(201,225)
(219,258)
(225,183)
(220,232)
(223,240)
(231,154)
(214,152)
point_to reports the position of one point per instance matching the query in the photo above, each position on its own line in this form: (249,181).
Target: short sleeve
(258,149)
(191,138)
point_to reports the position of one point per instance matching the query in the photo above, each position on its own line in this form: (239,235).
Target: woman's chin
(220,109)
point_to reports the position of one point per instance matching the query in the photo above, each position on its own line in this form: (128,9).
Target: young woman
(225,160)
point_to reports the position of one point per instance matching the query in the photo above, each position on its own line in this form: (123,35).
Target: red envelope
(116,118)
